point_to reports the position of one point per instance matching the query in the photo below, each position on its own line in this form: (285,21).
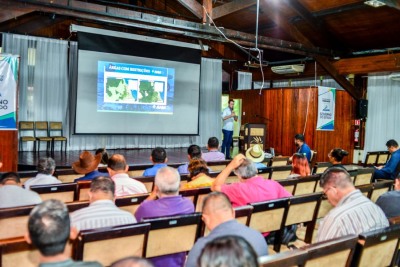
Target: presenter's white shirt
(228,123)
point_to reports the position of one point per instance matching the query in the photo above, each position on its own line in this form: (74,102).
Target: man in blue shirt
(159,158)
(302,147)
(388,171)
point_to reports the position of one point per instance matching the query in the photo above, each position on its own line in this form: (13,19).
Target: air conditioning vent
(395,76)
(288,69)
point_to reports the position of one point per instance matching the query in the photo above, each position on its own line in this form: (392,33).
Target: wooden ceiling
(342,36)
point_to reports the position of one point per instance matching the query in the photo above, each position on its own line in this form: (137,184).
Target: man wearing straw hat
(256,155)
(87,165)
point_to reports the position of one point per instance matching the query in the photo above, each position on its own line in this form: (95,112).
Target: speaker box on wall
(362,109)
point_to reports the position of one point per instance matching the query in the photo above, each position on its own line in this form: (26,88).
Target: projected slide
(135,88)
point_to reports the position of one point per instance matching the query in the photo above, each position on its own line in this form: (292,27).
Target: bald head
(337,177)
(167,181)
(217,209)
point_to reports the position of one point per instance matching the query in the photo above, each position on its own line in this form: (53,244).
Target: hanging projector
(288,69)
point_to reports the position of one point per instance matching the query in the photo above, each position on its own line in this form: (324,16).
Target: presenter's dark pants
(226,143)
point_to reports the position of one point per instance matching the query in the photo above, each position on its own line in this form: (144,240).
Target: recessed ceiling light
(374,3)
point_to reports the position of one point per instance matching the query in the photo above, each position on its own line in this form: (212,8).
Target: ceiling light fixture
(375,3)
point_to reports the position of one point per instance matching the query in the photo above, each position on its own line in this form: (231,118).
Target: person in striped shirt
(102,211)
(353,212)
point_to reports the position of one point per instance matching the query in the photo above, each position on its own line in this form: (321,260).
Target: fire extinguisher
(356,135)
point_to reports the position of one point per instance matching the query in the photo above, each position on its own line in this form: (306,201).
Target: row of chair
(374,248)
(41,131)
(374,158)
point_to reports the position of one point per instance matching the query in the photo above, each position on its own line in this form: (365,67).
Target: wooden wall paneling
(9,150)
(251,105)
(272,109)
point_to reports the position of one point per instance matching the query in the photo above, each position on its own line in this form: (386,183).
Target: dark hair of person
(339,176)
(213,142)
(49,227)
(10,176)
(117,163)
(392,143)
(158,155)
(231,100)
(197,166)
(46,165)
(232,251)
(339,154)
(216,196)
(103,184)
(194,151)
(299,137)
(104,155)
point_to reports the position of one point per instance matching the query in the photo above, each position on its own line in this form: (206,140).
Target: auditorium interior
(132,75)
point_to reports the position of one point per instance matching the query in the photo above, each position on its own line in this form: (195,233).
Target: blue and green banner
(8,92)
(326,108)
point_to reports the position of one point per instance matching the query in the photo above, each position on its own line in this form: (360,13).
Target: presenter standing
(228,116)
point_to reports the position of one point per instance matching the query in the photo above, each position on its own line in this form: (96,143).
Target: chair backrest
(147,181)
(279,161)
(67,175)
(289,184)
(295,257)
(281,172)
(306,184)
(313,159)
(24,126)
(14,221)
(364,176)
(366,189)
(123,241)
(269,215)
(304,209)
(165,231)
(380,188)
(41,128)
(320,167)
(55,127)
(324,207)
(73,206)
(353,174)
(63,192)
(377,248)
(371,158)
(83,188)
(243,214)
(266,173)
(191,194)
(201,194)
(16,252)
(232,178)
(130,203)
(217,166)
(338,251)
(383,157)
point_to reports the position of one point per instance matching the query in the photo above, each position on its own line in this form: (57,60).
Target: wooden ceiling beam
(231,7)
(369,64)
(193,6)
(298,36)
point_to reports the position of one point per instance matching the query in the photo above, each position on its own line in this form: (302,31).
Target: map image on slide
(135,88)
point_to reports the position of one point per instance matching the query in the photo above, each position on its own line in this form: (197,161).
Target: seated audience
(353,213)
(256,155)
(104,157)
(389,170)
(159,159)
(300,166)
(132,262)
(390,201)
(336,156)
(45,168)
(124,185)
(49,231)
(102,211)
(251,188)
(219,218)
(232,251)
(194,152)
(213,153)
(198,172)
(13,195)
(302,147)
(169,203)
(87,165)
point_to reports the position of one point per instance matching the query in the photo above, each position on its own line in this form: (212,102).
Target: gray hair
(168,180)
(246,170)
(336,176)
(46,166)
